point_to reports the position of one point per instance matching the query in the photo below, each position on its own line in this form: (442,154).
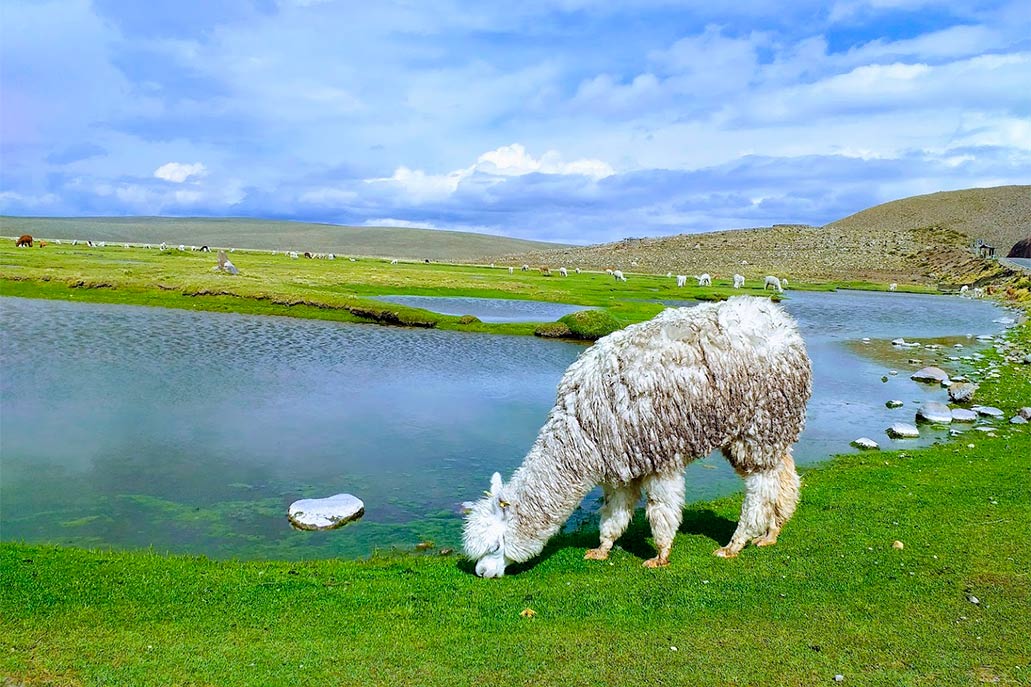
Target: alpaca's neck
(545,493)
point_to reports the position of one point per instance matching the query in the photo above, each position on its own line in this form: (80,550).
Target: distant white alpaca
(963,290)
(293,255)
(704,279)
(784,282)
(635,409)
(978,292)
(182,247)
(774,282)
(492,265)
(394,261)
(668,275)
(125,245)
(633,263)
(331,256)
(525,268)
(563,272)
(618,275)
(511,270)
(892,286)
(681,280)
(578,270)
(739,281)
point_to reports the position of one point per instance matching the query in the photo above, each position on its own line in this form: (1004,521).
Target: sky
(580,121)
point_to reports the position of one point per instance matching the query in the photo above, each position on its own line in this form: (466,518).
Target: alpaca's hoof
(725,552)
(766,540)
(598,554)
(656,562)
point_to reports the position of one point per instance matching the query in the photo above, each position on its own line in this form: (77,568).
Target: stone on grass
(1018,420)
(1025,413)
(894,403)
(325,514)
(934,411)
(865,443)
(930,374)
(987,411)
(901,430)
(963,415)
(962,392)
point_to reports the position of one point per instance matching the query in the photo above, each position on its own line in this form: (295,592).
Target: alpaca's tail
(787,498)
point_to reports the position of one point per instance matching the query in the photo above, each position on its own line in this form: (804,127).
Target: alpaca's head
(486,527)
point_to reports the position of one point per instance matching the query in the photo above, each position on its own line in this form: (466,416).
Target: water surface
(192,432)
(489,309)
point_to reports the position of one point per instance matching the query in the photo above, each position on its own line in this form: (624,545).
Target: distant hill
(393,242)
(923,238)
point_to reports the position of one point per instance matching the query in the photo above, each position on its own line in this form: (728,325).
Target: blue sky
(573,120)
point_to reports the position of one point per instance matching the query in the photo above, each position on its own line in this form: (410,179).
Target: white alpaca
(681,280)
(774,282)
(394,261)
(578,270)
(525,268)
(293,255)
(563,272)
(739,281)
(511,270)
(618,275)
(892,286)
(635,409)
(330,256)
(963,290)
(704,279)
(784,282)
(668,275)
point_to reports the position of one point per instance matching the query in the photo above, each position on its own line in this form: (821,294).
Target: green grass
(833,597)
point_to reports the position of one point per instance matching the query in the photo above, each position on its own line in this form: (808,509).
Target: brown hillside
(896,241)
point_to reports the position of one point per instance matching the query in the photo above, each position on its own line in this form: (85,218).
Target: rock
(984,428)
(985,337)
(962,392)
(1018,420)
(987,411)
(894,404)
(1027,359)
(934,411)
(866,444)
(930,374)
(897,545)
(325,514)
(963,415)
(1025,413)
(892,373)
(901,430)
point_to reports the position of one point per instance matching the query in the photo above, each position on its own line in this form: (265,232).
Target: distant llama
(25,240)
(635,409)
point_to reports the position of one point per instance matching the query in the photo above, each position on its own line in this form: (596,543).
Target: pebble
(1018,420)
(987,411)
(897,545)
(839,678)
(1025,413)
(973,599)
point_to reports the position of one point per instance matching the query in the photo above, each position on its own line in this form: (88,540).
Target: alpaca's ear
(495,484)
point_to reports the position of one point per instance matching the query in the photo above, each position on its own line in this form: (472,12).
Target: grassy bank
(328,289)
(833,597)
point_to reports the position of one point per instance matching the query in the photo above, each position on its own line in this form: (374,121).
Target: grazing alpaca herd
(635,409)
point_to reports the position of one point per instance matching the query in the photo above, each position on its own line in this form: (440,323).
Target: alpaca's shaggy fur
(636,408)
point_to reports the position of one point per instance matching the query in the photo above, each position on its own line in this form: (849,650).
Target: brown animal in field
(24,240)
(545,272)
(42,244)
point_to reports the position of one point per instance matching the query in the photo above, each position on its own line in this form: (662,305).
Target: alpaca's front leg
(665,510)
(616,513)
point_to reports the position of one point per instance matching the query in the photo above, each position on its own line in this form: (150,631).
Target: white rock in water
(930,374)
(900,430)
(325,514)
(864,443)
(963,415)
(987,411)
(961,392)
(934,411)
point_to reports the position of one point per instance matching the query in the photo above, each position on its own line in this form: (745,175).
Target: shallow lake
(489,309)
(192,432)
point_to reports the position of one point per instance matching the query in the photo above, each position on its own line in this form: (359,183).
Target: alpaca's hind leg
(770,499)
(665,510)
(616,513)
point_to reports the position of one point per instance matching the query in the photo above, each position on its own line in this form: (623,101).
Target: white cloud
(178,172)
(491,168)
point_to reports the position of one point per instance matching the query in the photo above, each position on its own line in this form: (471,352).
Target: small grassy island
(838,595)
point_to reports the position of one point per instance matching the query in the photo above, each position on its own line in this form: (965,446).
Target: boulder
(934,411)
(930,374)
(987,411)
(962,392)
(865,443)
(894,404)
(1025,413)
(901,430)
(963,415)
(325,514)
(1018,420)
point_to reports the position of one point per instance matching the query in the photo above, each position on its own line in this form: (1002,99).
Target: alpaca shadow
(696,521)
